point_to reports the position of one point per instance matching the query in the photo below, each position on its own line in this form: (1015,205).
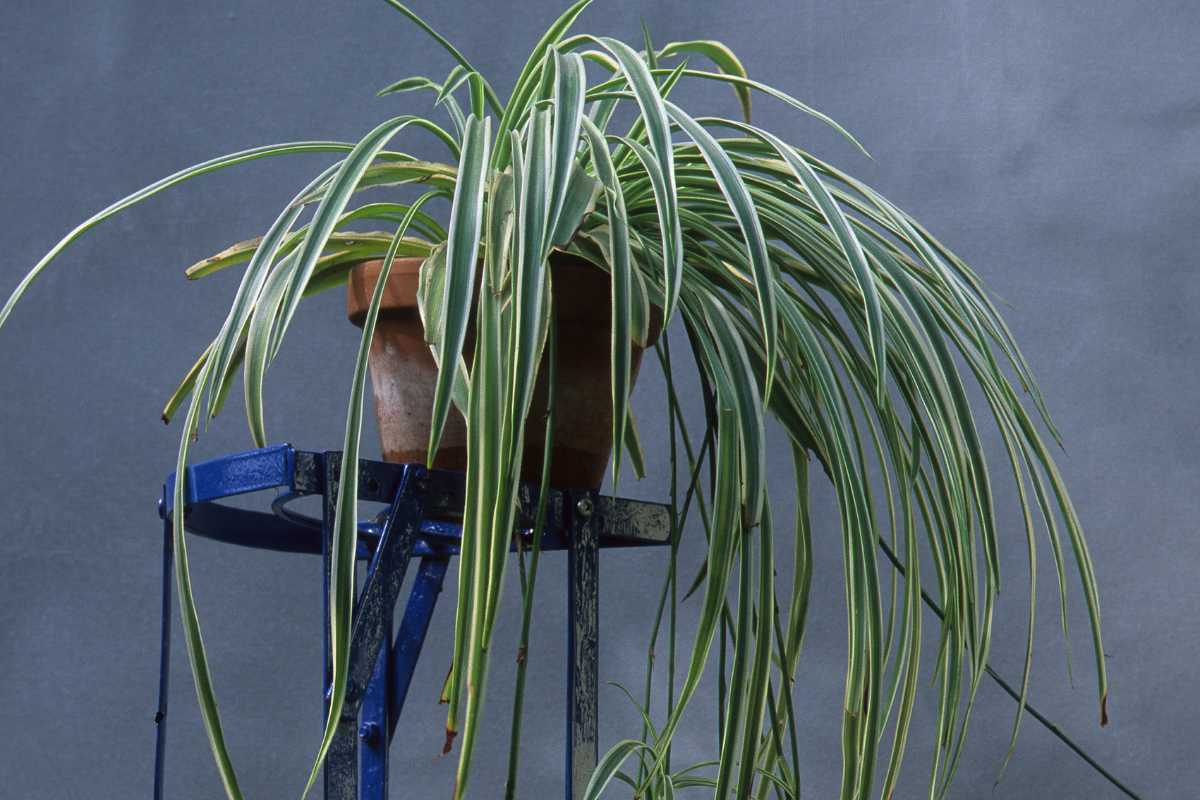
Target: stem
(675,534)
(514,745)
(678,521)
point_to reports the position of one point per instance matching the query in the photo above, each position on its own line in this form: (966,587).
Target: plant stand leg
(341,762)
(411,637)
(164,659)
(371,642)
(374,764)
(583,564)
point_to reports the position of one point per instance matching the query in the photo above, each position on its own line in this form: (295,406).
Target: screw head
(369,732)
(584,507)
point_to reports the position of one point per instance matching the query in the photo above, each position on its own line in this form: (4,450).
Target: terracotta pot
(403,374)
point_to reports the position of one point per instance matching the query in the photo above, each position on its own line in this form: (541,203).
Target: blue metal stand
(420,501)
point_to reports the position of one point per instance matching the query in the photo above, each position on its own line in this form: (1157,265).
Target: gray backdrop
(1053,145)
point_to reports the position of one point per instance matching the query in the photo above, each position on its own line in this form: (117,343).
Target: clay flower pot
(403,374)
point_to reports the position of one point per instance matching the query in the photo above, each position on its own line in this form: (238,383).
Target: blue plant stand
(413,527)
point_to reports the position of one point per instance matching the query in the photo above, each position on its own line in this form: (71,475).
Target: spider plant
(802,293)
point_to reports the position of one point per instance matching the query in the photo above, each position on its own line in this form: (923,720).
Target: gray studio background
(1054,145)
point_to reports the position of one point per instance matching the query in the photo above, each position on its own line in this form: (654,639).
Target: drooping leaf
(466,216)
(568,114)
(527,80)
(724,59)
(342,587)
(202,168)
(653,111)
(333,202)
(620,268)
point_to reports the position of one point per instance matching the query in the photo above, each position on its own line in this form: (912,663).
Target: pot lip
(400,294)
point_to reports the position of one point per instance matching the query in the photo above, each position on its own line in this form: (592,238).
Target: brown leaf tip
(1104,710)
(448,745)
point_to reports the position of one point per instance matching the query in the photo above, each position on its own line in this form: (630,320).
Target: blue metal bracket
(422,505)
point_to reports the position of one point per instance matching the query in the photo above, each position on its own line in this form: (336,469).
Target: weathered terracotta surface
(403,374)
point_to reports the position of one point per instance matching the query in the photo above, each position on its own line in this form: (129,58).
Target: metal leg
(341,763)
(164,660)
(411,636)
(380,670)
(371,730)
(583,564)
(385,577)
(370,643)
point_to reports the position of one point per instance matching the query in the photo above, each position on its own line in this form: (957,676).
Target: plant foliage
(803,293)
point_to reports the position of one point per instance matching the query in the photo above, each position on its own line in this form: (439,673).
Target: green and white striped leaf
(620,267)
(568,114)
(333,202)
(653,112)
(742,206)
(342,587)
(203,168)
(724,59)
(462,251)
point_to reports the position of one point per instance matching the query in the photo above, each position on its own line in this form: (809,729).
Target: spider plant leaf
(196,170)
(462,250)
(418,82)
(620,268)
(184,388)
(739,679)
(759,678)
(243,251)
(201,675)
(342,578)
(258,346)
(633,446)
(847,240)
(527,81)
(648,45)
(478,88)
(233,329)
(222,391)
(387,172)
(445,96)
(458,75)
(609,765)
(426,226)
(643,712)
(659,189)
(653,111)
(234,254)
(725,60)
(737,380)
(568,113)
(412,83)
(501,384)
(730,182)
(333,202)
(528,324)
(431,288)
(529,278)
(749,83)
(578,202)
(331,271)
(722,549)
(484,476)
(492,100)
